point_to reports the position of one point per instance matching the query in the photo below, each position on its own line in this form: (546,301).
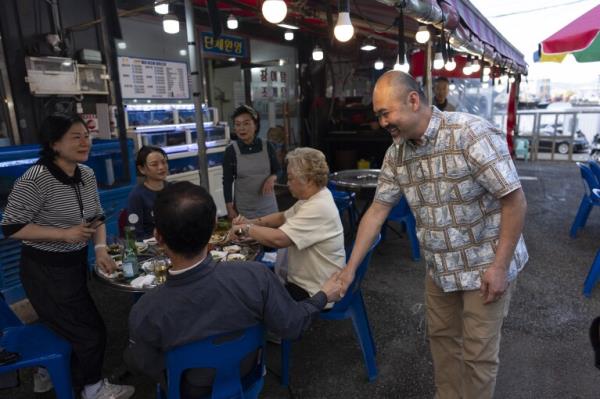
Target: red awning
(577,35)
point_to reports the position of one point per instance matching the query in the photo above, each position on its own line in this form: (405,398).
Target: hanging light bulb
(170,24)
(475,66)
(467,68)
(450,65)
(161,8)
(486,71)
(232,22)
(368,46)
(404,67)
(512,79)
(317,53)
(423,34)
(274,11)
(438,60)
(288,35)
(343,30)
(378,64)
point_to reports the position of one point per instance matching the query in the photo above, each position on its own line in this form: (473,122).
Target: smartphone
(95,221)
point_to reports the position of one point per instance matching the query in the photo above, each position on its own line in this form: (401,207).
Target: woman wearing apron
(250,165)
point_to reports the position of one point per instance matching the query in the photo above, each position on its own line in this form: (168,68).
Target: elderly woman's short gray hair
(308,164)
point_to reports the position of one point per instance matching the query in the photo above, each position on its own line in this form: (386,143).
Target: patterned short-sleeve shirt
(453,181)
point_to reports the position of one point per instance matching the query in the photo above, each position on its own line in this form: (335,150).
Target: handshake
(336,286)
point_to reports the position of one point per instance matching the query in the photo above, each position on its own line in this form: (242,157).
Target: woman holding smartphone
(54,208)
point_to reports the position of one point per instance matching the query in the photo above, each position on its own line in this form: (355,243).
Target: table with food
(152,264)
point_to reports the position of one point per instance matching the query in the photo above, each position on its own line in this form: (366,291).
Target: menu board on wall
(144,78)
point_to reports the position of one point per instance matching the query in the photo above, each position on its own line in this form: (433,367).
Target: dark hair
(408,83)
(441,79)
(184,215)
(53,128)
(246,109)
(146,150)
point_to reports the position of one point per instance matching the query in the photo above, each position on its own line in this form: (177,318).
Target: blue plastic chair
(589,200)
(592,277)
(401,213)
(351,306)
(346,203)
(595,167)
(224,357)
(38,347)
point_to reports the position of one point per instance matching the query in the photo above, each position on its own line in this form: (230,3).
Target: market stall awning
(485,31)
(581,38)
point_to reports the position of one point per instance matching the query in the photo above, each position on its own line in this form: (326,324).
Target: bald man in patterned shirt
(461,184)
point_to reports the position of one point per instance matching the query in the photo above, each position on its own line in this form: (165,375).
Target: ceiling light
(438,61)
(467,68)
(121,45)
(282,62)
(288,26)
(161,7)
(423,34)
(378,65)
(170,24)
(183,52)
(231,59)
(368,46)
(288,35)
(486,71)
(512,79)
(450,65)
(343,30)
(274,11)
(232,22)
(475,66)
(317,53)
(404,67)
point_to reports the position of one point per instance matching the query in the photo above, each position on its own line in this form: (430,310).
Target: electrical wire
(537,9)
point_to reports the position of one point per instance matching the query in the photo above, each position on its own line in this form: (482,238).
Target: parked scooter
(595,150)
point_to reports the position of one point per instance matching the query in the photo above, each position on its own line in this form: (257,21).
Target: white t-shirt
(315,228)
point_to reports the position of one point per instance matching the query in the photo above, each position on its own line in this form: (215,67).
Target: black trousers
(60,296)
(296,292)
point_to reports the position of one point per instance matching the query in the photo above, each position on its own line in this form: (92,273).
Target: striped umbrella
(580,37)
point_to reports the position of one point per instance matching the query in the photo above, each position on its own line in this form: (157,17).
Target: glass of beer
(160,270)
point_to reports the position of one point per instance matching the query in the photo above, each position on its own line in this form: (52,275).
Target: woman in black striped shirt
(54,208)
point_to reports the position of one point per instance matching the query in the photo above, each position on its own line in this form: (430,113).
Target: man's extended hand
(333,288)
(346,277)
(493,284)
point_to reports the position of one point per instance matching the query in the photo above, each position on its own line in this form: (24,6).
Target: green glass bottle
(130,260)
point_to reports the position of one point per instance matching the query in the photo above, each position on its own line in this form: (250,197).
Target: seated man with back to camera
(202,298)
(311,229)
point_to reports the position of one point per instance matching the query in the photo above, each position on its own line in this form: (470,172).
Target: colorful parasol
(580,37)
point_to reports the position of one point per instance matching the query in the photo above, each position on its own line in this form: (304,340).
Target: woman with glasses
(250,165)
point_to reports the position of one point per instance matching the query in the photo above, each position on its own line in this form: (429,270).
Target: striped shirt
(46,196)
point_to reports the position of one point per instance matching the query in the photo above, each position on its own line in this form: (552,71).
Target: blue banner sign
(229,46)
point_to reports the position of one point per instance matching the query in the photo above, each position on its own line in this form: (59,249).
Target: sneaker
(42,381)
(111,391)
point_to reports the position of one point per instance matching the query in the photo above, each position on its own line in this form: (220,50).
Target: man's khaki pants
(464,337)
